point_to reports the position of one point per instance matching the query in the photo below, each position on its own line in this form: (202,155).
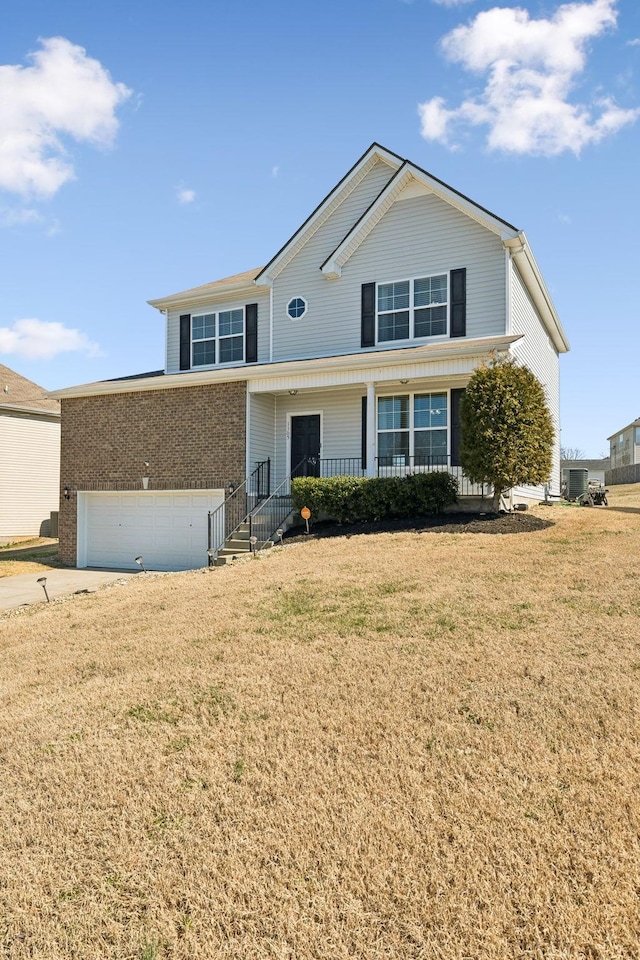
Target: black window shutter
(368,316)
(185,341)
(458,294)
(251,320)
(364,433)
(456,396)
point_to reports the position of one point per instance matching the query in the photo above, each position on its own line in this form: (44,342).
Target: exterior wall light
(293,392)
(66,493)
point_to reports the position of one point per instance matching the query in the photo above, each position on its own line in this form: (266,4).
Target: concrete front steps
(239,544)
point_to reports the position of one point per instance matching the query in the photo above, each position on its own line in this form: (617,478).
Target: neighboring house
(624,455)
(596,469)
(29,456)
(347,353)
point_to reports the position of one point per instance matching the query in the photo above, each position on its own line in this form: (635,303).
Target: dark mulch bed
(440,523)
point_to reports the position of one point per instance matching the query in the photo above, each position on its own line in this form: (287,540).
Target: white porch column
(371,429)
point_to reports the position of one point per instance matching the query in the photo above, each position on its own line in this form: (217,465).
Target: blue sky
(147,147)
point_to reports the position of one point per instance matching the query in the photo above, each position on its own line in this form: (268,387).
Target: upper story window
(637,436)
(217,338)
(296,308)
(411,309)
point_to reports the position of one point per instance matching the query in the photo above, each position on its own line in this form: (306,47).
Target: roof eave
(479,346)
(522,254)
(220,293)
(18,408)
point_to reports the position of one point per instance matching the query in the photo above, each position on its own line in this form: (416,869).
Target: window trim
(217,338)
(412,308)
(304,312)
(412,429)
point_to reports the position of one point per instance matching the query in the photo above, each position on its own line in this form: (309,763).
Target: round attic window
(296,308)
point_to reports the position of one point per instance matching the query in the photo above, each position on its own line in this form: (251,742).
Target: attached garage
(168,528)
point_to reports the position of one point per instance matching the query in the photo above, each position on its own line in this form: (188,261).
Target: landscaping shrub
(351,499)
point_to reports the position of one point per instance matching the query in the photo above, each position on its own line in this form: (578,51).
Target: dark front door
(305,446)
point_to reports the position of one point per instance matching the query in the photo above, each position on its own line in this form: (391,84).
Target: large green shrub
(350,499)
(507,428)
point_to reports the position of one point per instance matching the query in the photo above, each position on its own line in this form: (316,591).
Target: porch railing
(396,466)
(266,518)
(239,501)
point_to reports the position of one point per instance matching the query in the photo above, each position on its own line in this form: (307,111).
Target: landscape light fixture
(43,583)
(253,540)
(211,554)
(280,533)
(140,562)
(66,493)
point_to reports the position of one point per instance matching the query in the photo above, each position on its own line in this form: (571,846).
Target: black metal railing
(269,515)
(399,466)
(239,501)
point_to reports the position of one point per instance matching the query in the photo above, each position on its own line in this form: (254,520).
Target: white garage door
(167,529)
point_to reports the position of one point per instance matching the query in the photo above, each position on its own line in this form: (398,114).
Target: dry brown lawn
(394,746)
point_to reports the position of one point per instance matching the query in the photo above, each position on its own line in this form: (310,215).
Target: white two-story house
(347,353)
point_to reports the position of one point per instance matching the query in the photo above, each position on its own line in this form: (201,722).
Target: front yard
(400,745)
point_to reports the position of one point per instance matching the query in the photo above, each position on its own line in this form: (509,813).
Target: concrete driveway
(24,589)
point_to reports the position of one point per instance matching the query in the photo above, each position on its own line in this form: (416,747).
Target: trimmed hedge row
(351,499)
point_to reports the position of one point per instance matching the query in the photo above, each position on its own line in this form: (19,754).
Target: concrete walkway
(24,589)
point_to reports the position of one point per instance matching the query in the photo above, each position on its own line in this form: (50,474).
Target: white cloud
(185,196)
(452,3)
(63,94)
(275,170)
(40,340)
(635,42)
(20,217)
(531,68)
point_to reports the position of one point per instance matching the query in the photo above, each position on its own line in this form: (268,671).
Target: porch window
(412,309)
(412,430)
(217,338)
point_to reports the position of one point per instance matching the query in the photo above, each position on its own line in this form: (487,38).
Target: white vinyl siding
(417,237)
(29,472)
(536,351)
(219,306)
(262,427)
(341,412)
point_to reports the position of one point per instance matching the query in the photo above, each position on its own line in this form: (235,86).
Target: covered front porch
(364,430)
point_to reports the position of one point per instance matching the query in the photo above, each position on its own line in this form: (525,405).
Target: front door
(305,446)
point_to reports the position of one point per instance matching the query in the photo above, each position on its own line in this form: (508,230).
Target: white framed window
(413,430)
(296,308)
(217,338)
(413,309)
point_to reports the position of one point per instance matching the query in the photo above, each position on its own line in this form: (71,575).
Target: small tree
(507,431)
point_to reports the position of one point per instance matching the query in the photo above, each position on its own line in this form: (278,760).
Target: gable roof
(402,174)
(325,208)
(19,394)
(403,171)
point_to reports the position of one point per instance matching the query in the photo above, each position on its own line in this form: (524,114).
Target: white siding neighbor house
(29,456)
(349,351)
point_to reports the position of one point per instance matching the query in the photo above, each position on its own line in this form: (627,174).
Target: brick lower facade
(191,436)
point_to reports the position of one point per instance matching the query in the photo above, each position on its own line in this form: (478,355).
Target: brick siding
(191,436)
